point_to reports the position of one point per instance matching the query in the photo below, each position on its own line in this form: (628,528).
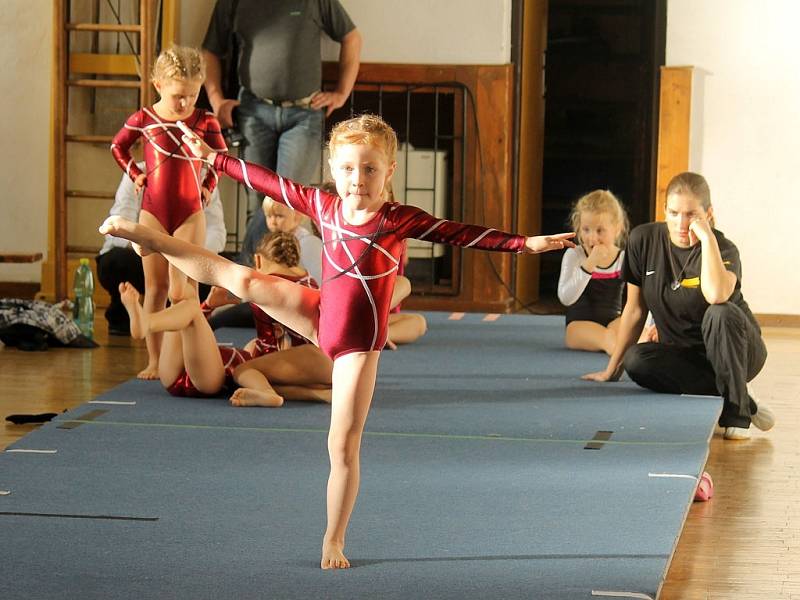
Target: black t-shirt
(279,42)
(678,313)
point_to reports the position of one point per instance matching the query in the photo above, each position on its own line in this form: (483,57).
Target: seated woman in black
(688,275)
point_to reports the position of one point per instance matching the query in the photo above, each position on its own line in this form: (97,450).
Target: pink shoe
(705,488)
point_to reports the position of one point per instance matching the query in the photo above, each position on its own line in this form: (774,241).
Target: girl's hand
(218,296)
(139,182)
(198,147)
(545,243)
(205,196)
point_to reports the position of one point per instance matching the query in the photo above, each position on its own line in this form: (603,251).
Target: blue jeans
(286,140)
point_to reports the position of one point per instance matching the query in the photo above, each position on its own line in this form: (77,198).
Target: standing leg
(156,288)
(192,230)
(353,384)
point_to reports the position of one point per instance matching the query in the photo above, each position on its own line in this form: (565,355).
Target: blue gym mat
(476,483)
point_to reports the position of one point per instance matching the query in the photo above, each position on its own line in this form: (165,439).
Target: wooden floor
(744,544)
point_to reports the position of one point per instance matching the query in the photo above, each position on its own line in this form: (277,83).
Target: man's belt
(299,103)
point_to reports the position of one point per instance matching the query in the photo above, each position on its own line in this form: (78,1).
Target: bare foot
(138,318)
(149,372)
(251,397)
(333,556)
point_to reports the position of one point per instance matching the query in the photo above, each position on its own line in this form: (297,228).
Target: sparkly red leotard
(231,358)
(360,262)
(269,332)
(172,191)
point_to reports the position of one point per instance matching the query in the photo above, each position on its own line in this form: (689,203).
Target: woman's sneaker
(736,433)
(764,419)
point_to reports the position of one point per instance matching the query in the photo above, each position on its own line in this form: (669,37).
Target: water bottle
(83,312)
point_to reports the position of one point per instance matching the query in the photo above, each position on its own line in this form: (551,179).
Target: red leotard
(269,332)
(231,358)
(360,262)
(172,191)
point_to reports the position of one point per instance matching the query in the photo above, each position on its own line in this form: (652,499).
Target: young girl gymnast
(302,371)
(590,285)
(174,192)
(192,364)
(362,242)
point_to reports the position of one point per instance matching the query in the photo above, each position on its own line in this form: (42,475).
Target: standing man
(280,105)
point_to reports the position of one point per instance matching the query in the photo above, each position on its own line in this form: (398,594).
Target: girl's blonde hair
(601,201)
(179,62)
(365,129)
(280,247)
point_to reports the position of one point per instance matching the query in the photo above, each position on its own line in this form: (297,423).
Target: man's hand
(223,110)
(545,243)
(332,100)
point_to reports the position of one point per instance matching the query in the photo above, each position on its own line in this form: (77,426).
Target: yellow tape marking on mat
(456,316)
(491,317)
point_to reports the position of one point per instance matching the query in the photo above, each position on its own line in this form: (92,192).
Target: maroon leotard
(231,358)
(360,262)
(270,333)
(172,191)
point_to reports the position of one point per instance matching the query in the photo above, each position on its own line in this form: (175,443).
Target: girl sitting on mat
(590,285)
(362,242)
(688,275)
(174,191)
(302,372)
(286,367)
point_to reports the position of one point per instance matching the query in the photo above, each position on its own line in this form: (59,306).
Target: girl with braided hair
(175,189)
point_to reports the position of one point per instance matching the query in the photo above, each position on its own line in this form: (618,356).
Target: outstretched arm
(195,261)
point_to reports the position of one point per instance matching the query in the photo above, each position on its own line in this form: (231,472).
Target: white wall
(26,48)
(411,31)
(746,131)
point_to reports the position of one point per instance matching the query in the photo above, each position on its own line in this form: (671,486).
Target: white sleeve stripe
(480,237)
(244,174)
(283,192)
(419,237)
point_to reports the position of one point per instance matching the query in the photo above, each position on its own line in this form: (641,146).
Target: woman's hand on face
(699,230)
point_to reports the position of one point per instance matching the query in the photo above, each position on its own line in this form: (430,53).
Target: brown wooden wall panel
(674,122)
(488,182)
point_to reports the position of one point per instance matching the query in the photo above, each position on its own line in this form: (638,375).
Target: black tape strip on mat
(66,516)
(89,416)
(598,439)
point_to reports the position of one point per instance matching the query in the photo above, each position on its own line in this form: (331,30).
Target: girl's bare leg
(353,385)
(188,341)
(405,328)
(298,373)
(192,230)
(591,336)
(156,287)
